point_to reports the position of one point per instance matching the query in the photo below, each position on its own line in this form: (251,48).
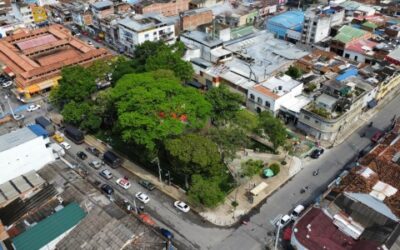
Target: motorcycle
(370,124)
(316,172)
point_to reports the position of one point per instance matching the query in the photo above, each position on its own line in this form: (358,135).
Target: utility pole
(9,105)
(277,236)
(159,168)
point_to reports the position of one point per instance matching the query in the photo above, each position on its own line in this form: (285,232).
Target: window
(146,35)
(347,55)
(306,117)
(355,58)
(252,97)
(259,100)
(154,33)
(267,104)
(316,121)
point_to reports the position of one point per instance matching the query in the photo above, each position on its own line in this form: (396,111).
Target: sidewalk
(225,214)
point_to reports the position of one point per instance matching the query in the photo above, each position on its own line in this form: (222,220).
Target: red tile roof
(35,42)
(316,231)
(265,91)
(361,46)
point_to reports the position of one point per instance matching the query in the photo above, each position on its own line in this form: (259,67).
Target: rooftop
(348,33)
(140,23)
(202,37)
(50,228)
(102,5)
(362,46)
(39,54)
(395,54)
(289,19)
(15,138)
(316,230)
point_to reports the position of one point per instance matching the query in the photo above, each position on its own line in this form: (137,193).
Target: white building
(22,151)
(135,30)
(273,94)
(318,23)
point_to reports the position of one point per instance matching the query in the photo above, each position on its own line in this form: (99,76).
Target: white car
(142,197)
(297,211)
(18,117)
(182,206)
(124,183)
(33,107)
(7,84)
(283,221)
(65,145)
(106,174)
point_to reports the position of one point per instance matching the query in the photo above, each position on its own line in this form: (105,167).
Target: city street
(254,234)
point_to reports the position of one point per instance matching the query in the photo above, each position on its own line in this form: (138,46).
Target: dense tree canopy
(76,85)
(205,191)
(153,106)
(194,154)
(229,140)
(225,104)
(273,128)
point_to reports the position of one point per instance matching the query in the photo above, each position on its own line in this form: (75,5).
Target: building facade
(191,19)
(171,8)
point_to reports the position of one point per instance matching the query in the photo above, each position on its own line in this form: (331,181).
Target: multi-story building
(35,58)
(282,23)
(135,30)
(191,19)
(25,10)
(273,93)
(318,23)
(166,8)
(81,15)
(345,36)
(5,7)
(102,9)
(8,24)
(361,51)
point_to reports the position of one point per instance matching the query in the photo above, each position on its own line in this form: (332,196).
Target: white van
(297,211)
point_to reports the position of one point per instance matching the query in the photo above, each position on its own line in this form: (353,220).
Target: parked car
(124,183)
(182,206)
(33,107)
(147,185)
(74,134)
(46,124)
(95,164)
(166,233)
(316,153)
(18,117)
(81,155)
(284,221)
(58,137)
(65,145)
(7,84)
(5,81)
(106,174)
(297,211)
(142,197)
(107,189)
(94,151)
(377,136)
(90,43)
(111,159)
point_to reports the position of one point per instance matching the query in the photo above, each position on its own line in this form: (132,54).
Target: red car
(378,135)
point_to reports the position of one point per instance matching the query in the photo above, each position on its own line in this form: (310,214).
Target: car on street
(94,151)
(58,137)
(65,145)
(147,185)
(81,155)
(377,136)
(142,197)
(5,81)
(284,221)
(90,43)
(33,107)
(316,153)
(95,164)
(124,183)
(166,233)
(18,117)
(6,84)
(182,206)
(107,189)
(105,173)
(297,212)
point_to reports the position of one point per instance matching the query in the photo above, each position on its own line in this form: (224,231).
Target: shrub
(275,168)
(283,163)
(252,167)
(234,204)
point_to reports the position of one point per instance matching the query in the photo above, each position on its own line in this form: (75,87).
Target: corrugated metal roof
(50,228)
(16,138)
(347,34)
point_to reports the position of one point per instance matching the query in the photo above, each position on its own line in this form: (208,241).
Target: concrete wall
(191,22)
(31,155)
(171,8)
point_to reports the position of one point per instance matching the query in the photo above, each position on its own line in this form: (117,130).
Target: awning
(32,89)
(371,104)
(259,188)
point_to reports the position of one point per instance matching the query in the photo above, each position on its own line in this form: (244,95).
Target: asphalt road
(254,235)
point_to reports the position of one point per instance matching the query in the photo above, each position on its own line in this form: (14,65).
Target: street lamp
(9,105)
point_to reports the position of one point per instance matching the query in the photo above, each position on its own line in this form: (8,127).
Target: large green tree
(229,140)
(225,104)
(246,120)
(153,106)
(206,191)
(82,115)
(76,84)
(193,154)
(273,128)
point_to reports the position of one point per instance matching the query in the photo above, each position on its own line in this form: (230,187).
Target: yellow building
(390,83)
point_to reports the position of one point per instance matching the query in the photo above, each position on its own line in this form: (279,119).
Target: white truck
(57,150)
